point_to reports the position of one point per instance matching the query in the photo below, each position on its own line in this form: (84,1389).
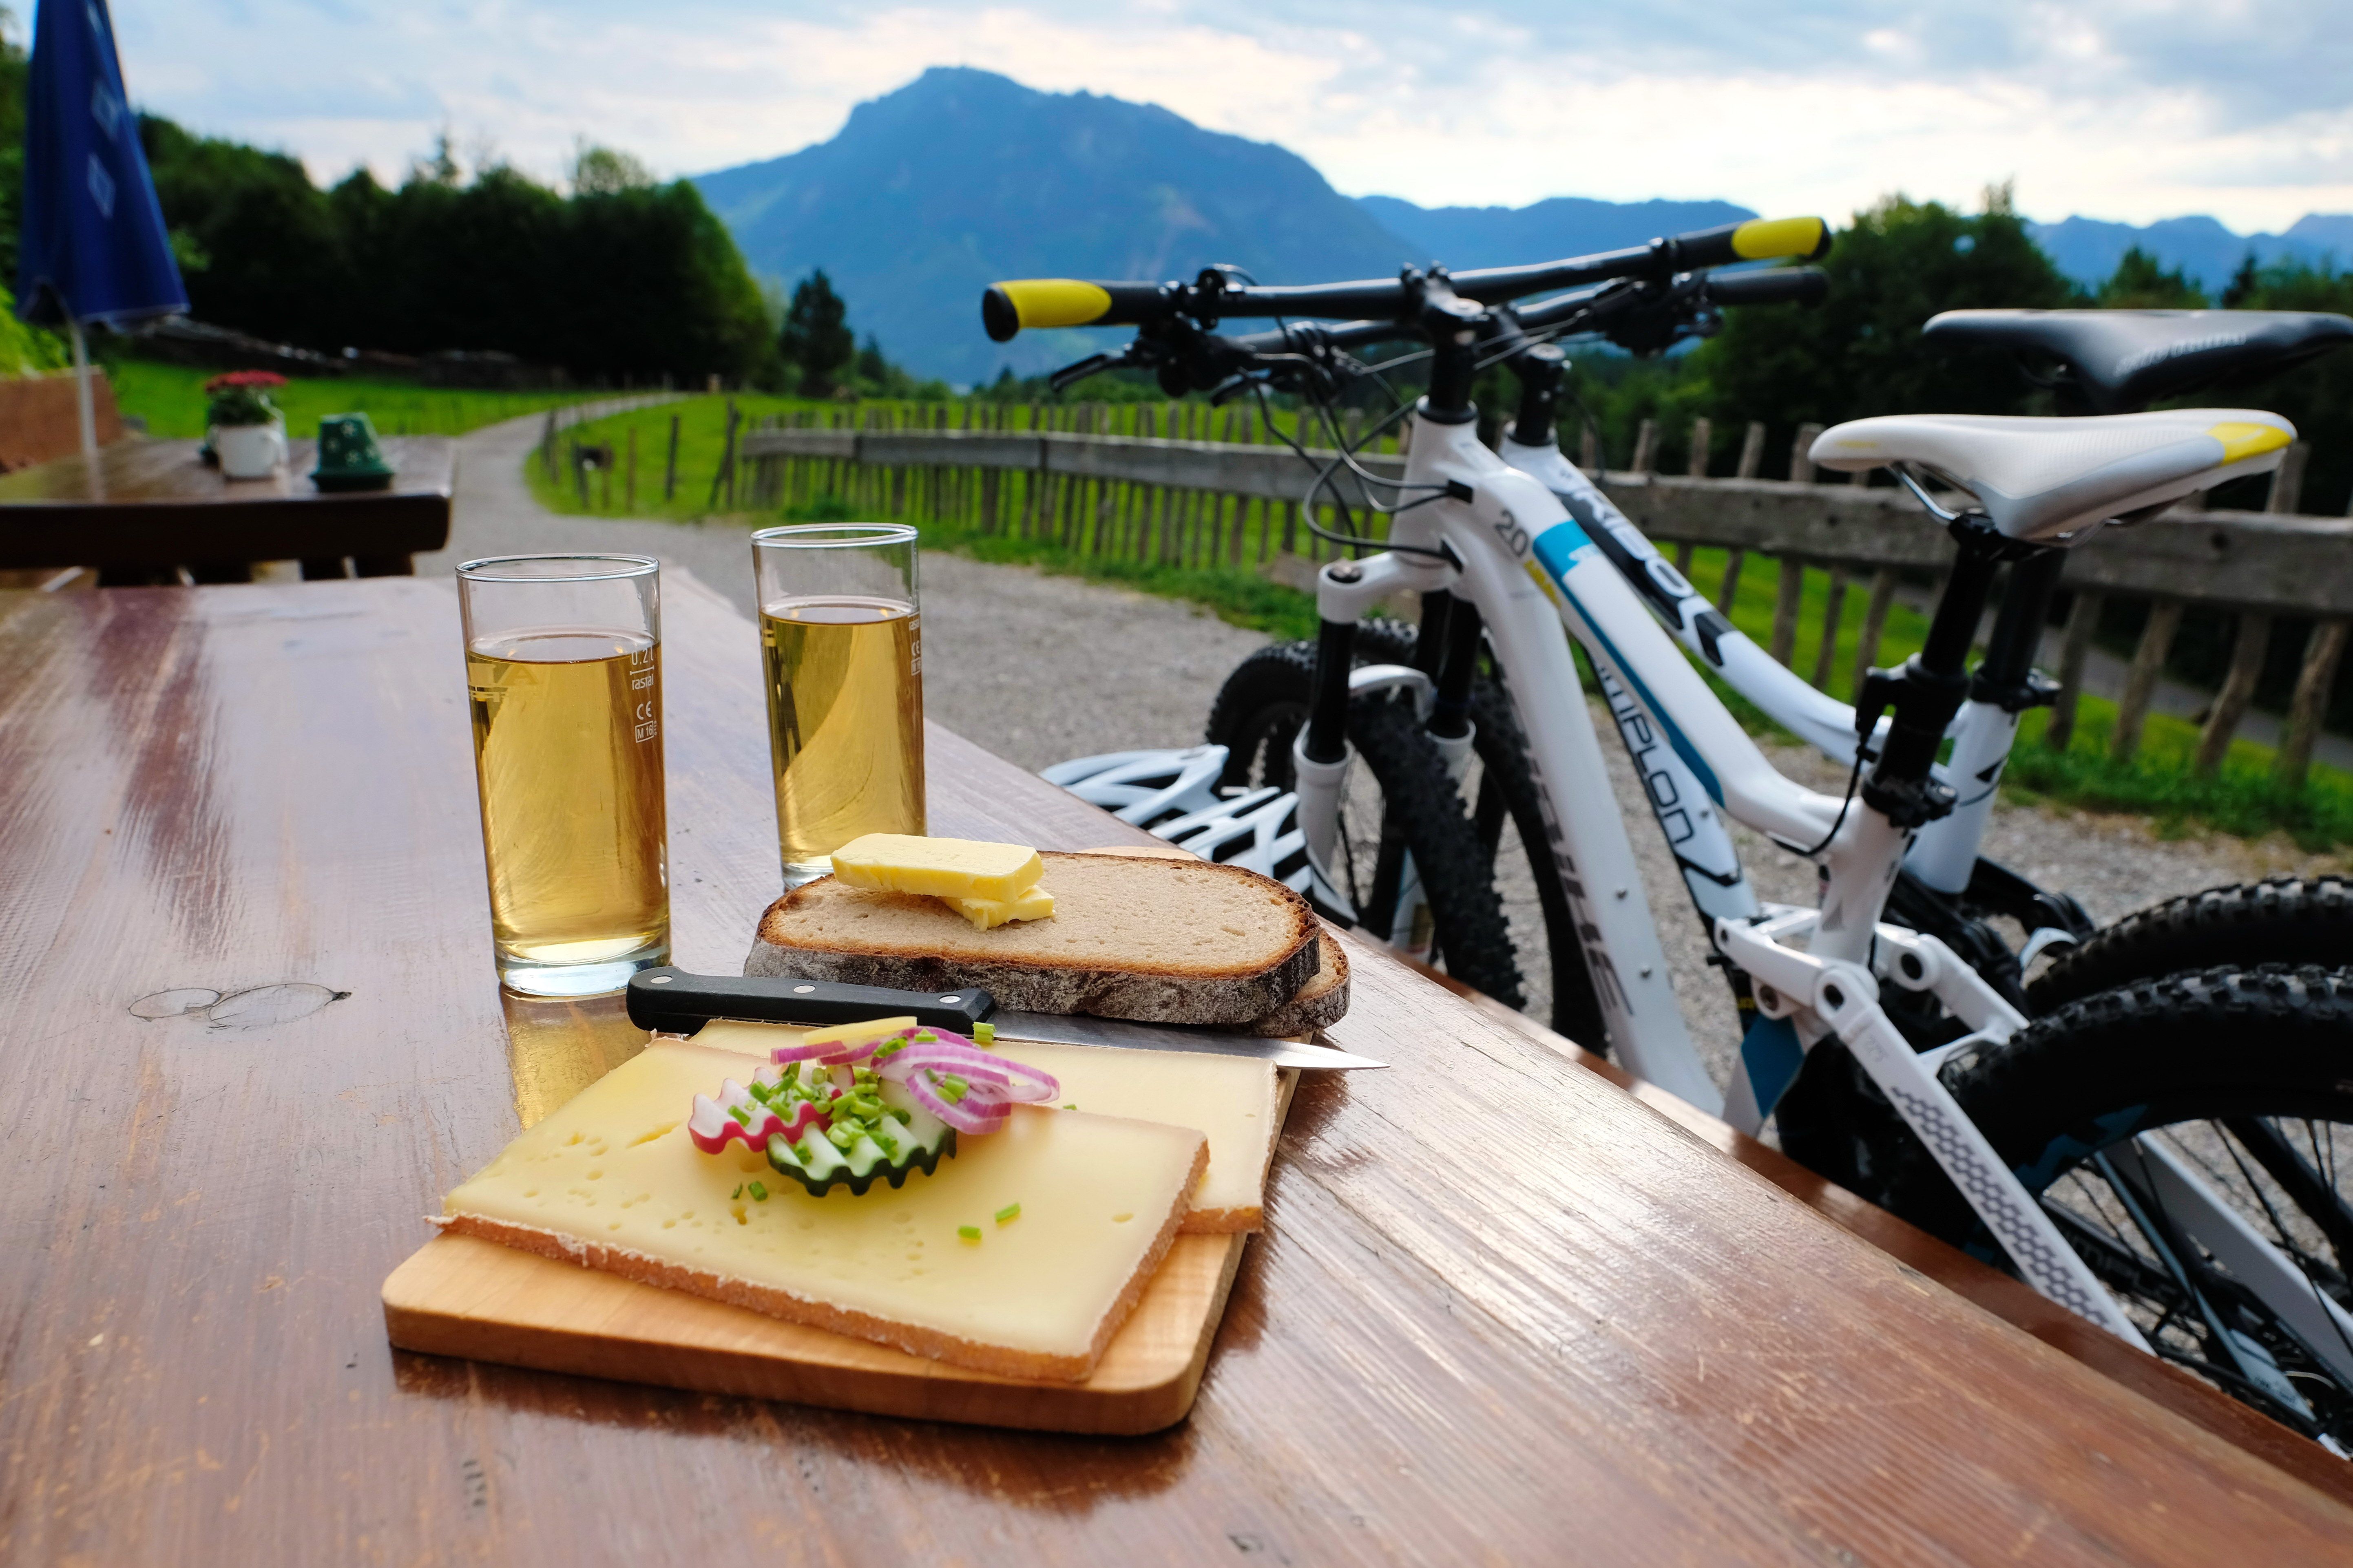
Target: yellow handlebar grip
(1762,238)
(1008,308)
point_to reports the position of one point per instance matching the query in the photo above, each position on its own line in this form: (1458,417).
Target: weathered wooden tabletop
(1502,1311)
(155,501)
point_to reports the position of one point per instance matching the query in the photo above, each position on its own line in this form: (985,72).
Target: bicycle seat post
(1928,690)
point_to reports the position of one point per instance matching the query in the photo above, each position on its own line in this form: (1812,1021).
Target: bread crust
(1320,1003)
(1144,991)
(933,1345)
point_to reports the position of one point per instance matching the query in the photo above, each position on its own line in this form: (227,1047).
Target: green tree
(2139,283)
(815,339)
(2243,284)
(15,77)
(1860,352)
(604,172)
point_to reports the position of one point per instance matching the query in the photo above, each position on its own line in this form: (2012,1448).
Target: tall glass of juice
(842,641)
(563,677)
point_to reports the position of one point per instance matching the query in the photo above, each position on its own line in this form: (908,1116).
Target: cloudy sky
(2131,110)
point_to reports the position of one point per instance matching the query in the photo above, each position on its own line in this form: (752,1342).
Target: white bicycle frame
(1532,569)
(1944,853)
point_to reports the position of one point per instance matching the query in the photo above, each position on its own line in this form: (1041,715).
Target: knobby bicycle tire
(1260,707)
(2238,1048)
(2283,920)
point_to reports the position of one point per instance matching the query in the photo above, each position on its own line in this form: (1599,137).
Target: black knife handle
(673,1002)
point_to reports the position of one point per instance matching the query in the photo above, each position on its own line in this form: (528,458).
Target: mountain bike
(2054,1137)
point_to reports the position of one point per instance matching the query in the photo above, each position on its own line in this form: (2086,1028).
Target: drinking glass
(841,639)
(564,677)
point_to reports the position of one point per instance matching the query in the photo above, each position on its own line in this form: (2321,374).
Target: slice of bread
(1320,1003)
(1159,940)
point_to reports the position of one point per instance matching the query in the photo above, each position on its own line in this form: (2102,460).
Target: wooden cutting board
(461,1296)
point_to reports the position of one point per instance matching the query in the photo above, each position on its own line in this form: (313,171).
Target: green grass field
(2240,799)
(171,399)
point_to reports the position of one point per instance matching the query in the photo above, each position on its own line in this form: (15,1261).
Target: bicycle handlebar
(1006,308)
(1802,285)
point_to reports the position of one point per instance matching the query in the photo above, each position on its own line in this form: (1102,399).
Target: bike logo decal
(1563,548)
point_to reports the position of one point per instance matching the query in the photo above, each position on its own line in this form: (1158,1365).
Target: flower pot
(249,451)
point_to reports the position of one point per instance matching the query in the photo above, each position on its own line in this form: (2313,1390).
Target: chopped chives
(737,1192)
(759,1194)
(1010,1212)
(968,1232)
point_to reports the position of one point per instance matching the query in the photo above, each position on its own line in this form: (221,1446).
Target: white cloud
(2121,109)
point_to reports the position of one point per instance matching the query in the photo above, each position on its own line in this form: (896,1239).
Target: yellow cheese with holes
(612,1180)
(943,868)
(1230,1100)
(1029,904)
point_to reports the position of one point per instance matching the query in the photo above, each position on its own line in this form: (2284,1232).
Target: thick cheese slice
(1029,904)
(943,868)
(1230,1100)
(612,1180)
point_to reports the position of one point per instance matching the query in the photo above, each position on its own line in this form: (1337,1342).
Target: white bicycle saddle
(2046,478)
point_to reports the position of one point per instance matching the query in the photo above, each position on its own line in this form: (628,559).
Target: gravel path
(1039,669)
(1036,668)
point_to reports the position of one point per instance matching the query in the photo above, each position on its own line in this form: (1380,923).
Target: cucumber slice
(919,1144)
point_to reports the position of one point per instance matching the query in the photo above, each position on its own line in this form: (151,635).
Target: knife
(673,1002)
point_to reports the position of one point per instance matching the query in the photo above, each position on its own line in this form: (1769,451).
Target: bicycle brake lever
(1070,375)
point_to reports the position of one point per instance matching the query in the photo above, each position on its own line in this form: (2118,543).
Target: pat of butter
(1029,904)
(943,868)
(1230,1100)
(1037,1295)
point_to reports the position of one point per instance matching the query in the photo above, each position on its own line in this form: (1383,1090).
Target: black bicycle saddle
(2120,362)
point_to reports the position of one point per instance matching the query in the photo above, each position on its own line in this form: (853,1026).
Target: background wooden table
(148,504)
(1502,1311)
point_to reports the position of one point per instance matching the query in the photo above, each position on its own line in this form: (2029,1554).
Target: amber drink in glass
(563,679)
(841,639)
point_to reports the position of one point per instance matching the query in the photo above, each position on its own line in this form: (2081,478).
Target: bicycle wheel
(2285,920)
(2242,1076)
(1258,713)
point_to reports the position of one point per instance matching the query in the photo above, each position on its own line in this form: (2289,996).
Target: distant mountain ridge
(962,177)
(2087,249)
(1558,227)
(932,193)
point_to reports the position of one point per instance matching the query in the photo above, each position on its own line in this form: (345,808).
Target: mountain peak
(962,177)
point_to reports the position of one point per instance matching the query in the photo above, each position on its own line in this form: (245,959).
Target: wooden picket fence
(1184,485)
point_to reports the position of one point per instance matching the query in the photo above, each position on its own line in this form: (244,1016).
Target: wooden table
(1617,1346)
(147,506)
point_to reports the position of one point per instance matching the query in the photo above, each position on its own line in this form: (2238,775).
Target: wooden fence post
(629,479)
(2238,689)
(1801,462)
(1732,560)
(547,446)
(1787,601)
(2309,706)
(1646,444)
(1833,607)
(1703,431)
(669,464)
(2287,480)
(1874,624)
(2140,683)
(1588,448)
(1752,451)
(2083,620)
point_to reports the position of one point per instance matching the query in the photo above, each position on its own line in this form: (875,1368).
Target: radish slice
(712,1129)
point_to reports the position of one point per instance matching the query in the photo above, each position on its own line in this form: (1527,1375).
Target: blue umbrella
(92,245)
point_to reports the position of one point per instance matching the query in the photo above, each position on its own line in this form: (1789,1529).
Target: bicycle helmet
(1174,795)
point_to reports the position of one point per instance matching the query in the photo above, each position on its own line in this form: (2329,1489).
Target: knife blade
(675,1002)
